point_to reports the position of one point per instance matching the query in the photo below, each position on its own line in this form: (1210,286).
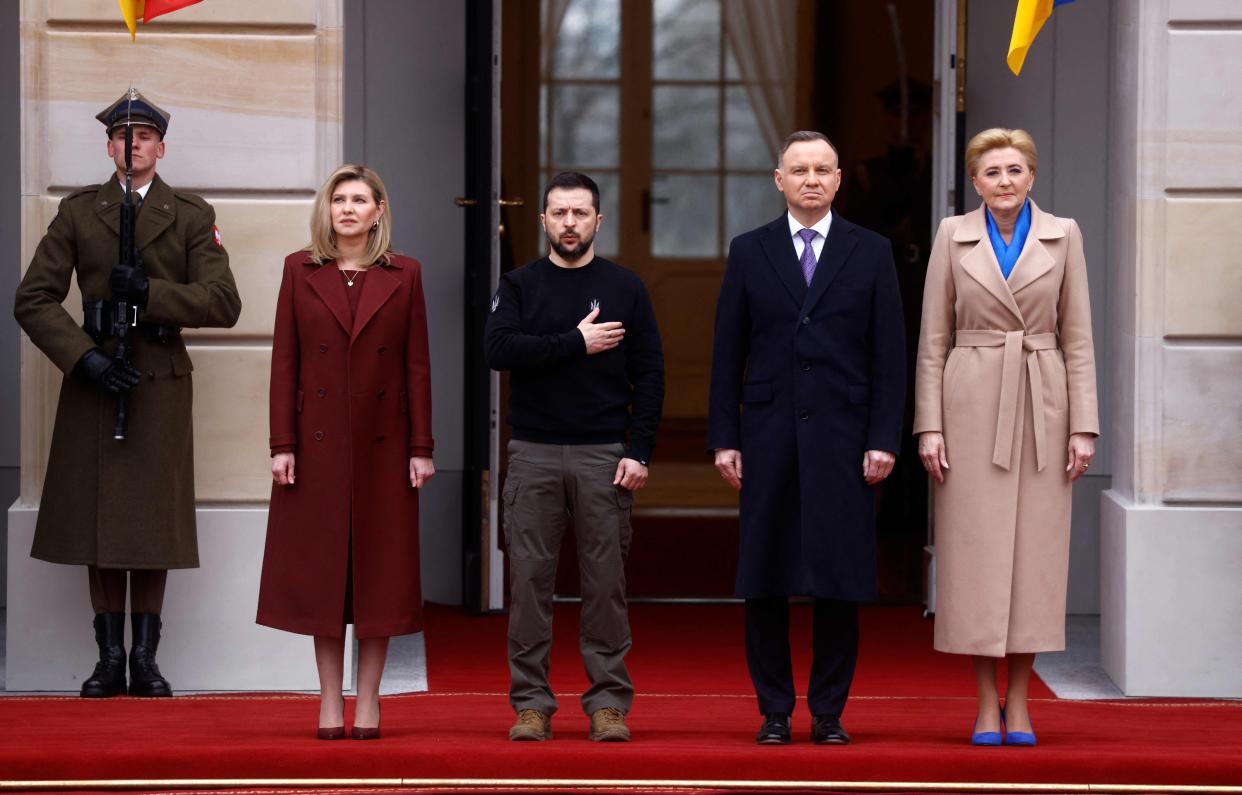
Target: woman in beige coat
(1005,391)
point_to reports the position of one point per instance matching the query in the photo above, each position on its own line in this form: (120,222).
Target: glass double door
(648,99)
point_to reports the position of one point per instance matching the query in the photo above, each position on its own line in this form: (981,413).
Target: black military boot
(144,675)
(108,678)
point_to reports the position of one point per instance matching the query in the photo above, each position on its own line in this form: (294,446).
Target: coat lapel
(1035,259)
(980,261)
(158,211)
(108,204)
(777,244)
(377,288)
(837,247)
(325,282)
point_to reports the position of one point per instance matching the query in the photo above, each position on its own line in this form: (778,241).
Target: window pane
(686,127)
(732,72)
(750,202)
(686,40)
(588,40)
(744,144)
(685,215)
(543,125)
(609,194)
(606,240)
(584,126)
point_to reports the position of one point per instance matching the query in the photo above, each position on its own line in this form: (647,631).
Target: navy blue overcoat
(805,380)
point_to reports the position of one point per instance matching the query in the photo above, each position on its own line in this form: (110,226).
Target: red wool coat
(354,398)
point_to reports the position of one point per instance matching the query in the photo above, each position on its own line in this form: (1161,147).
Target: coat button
(380,394)
(806,367)
(379,438)
(806,320)
(381,350)
(804,415)
(321,392)
(323,348)
(319,436)
(151,374)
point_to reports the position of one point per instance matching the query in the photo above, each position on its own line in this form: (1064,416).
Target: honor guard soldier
(119,492)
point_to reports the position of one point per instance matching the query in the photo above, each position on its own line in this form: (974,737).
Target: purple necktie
(808,254)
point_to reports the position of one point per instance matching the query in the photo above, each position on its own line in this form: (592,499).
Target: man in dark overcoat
(808,383)
(125,506)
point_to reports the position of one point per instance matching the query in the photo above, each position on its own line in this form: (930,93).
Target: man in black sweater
(579,338)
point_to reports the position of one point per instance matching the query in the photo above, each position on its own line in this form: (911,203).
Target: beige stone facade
(254,89)
(254,92)
(1171,535)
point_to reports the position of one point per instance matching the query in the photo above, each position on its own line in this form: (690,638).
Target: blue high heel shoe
(1017,738)
(984,738)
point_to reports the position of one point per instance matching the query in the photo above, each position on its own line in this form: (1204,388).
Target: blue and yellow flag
(1027,20)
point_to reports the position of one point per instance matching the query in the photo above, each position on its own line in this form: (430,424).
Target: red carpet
(692,722)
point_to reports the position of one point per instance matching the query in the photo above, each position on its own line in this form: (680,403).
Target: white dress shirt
(817,242)
(142,192)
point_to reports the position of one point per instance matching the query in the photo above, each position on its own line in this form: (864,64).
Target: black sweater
(559,394)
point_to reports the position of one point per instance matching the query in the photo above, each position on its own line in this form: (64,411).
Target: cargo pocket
(508,503)
(624,498)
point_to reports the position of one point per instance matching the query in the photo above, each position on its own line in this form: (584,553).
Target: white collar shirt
(142,192)
(821,234)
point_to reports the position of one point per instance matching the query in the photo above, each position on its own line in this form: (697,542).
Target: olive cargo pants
(549,486)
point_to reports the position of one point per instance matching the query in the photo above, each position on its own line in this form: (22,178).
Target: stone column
(254,93)
(1171,541)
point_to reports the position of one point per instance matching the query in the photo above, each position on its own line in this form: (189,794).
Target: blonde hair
(322,245)
(1000,138)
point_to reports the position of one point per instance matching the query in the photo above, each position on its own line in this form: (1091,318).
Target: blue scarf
(1007,254)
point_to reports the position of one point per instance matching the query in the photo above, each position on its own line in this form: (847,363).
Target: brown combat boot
(608,726)
(531,725)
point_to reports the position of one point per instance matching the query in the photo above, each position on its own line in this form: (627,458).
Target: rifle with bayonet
(124,312)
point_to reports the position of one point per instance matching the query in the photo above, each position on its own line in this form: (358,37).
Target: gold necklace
(349,280)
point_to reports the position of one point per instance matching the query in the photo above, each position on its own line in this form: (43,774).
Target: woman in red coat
(351,444)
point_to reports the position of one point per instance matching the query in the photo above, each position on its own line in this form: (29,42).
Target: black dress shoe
(108,678)
(145,680)
(775,730)
(826,730)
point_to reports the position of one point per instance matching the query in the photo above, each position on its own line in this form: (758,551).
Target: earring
(375,225)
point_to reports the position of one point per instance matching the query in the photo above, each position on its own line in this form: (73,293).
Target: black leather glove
(115,376)
(130,284)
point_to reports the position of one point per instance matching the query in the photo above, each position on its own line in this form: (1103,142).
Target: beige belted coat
(1006,371)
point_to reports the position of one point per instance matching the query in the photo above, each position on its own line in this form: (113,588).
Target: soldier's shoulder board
(192,199)
(83,191)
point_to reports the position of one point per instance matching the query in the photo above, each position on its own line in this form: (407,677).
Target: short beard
(572,254)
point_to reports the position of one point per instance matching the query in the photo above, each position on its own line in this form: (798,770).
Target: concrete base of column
(1171,598)
(210,640)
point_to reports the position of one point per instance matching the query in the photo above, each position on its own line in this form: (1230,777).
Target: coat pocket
(756,393)
(181,364)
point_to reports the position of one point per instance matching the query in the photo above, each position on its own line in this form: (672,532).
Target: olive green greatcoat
(124,504)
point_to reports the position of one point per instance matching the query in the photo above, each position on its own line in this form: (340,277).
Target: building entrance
(677,108)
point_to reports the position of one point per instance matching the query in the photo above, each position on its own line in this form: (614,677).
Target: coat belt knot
(1013,395)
